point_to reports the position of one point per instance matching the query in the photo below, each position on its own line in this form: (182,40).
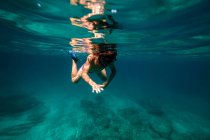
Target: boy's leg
(75,74)
(102,75)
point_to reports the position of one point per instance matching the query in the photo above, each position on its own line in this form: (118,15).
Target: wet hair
(106,53)
(107,57)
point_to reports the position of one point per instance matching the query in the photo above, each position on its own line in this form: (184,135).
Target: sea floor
(58,114)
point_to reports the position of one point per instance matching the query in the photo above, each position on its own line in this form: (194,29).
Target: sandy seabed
(64,116)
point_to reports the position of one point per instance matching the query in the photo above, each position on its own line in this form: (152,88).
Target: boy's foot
(73,55)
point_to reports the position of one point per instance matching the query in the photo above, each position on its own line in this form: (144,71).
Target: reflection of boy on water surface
(96,6)
(95,20)
(96,62)
(96,24)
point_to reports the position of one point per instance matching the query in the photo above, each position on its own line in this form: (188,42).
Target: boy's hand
(97,88)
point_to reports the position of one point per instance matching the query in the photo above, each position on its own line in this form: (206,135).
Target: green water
(160,92)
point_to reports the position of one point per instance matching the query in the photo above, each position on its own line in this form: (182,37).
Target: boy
(95,63)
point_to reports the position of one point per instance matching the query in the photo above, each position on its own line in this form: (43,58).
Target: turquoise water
(160,92)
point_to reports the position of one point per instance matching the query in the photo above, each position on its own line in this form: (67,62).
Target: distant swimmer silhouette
(96,62)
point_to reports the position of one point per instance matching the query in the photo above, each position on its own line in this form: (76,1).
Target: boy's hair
(107,57)
(106,53)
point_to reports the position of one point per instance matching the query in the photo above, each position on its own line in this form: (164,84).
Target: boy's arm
(86,68)
(95,87)
(112,75)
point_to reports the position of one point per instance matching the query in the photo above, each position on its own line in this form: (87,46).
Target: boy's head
(107,57)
